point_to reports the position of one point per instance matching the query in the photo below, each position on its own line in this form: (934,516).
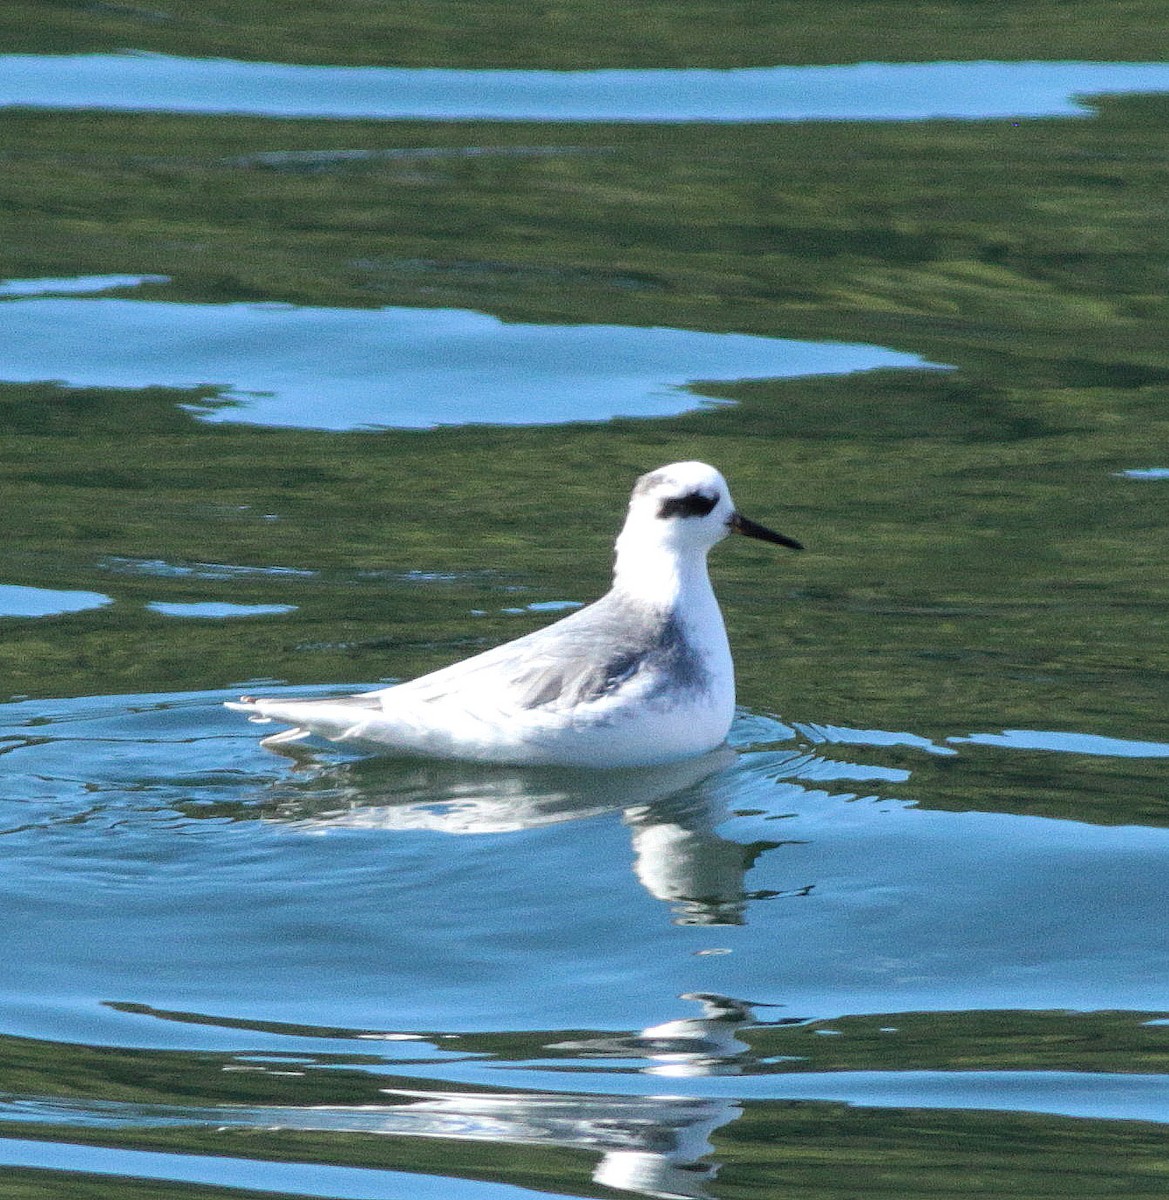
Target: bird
(641,677)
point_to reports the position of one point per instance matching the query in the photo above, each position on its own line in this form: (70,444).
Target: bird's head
(686,507)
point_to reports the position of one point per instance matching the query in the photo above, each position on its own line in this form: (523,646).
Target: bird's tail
(337,720)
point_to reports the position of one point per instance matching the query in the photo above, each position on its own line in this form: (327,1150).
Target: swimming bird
(640,677)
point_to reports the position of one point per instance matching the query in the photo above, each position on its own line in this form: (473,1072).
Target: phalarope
(642,676)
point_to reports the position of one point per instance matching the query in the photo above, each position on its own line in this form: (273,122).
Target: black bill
(751,529)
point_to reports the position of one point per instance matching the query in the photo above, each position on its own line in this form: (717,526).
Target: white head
(686,507)
(676,514)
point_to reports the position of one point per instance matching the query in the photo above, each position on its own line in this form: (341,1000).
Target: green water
(581,33)
(974,558)
(976,562)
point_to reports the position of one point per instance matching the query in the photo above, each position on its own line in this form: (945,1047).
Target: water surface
(260,921)
(853,92)
(19,600)
(217,609)
(922,909)
(346,368)
(192,833)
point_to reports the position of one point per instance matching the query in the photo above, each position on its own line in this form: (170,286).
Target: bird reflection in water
(673,812)
(655,1146)
(692,1046)
(650,1145)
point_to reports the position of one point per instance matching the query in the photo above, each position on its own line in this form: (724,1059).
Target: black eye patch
(693,504)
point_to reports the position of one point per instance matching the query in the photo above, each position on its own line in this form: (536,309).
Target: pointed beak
(740,524)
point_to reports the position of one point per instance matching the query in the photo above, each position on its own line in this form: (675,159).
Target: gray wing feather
(580,658)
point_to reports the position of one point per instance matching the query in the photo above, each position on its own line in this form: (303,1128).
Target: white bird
(642,676)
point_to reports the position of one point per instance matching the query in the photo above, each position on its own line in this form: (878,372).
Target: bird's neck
(662,578)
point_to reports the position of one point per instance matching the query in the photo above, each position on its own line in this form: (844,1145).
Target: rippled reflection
(636,1141)
(685,1048)
(332,891)
(649,1145)
(679,856)
(657,1146)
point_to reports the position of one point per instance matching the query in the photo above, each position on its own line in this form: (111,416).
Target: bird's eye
(693,504)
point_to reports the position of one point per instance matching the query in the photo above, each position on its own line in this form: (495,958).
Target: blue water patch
(76,285)
(854,92)
(845,736)
(213,609)
(383,896)
(541,606)
(342,368)
(286,920)
(17,600)
(1068,743)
